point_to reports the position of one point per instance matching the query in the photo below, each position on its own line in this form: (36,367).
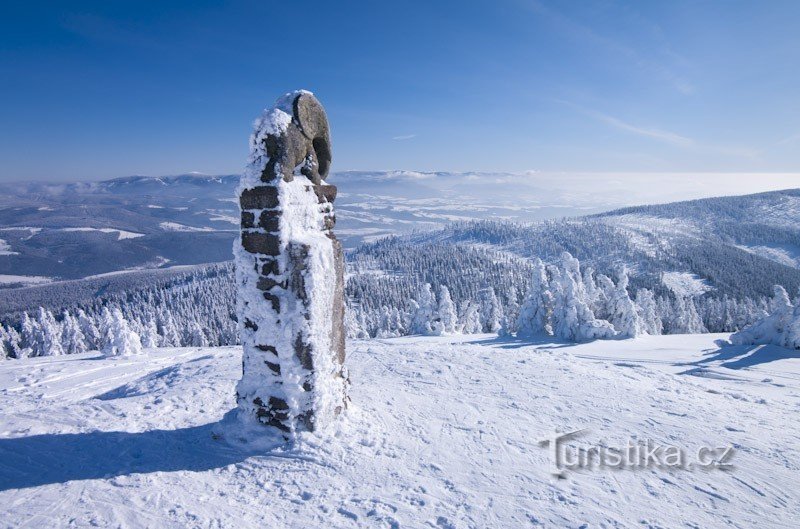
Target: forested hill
(717,263)
(735,246)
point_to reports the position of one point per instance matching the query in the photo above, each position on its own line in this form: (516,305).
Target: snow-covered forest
(563,298)
(687,267)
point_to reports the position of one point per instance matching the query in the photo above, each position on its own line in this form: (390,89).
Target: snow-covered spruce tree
(686,319)
(793,330)
(72,337)
(491,311)
(119,339)
(168,330)
(622,311)
(447,311)
(602,304)
(149,333)
(29,335)
(197,338)
(424,319)
(471,319)
(90,331)
(573,320)
(508,325)
(648,312)
(779,327)
(354,322)
(49,334)
(13,343)
(4,340)
(537,309)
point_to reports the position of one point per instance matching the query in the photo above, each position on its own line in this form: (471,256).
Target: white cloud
(404,137)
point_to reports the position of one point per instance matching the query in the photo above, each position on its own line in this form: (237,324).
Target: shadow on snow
(58,458)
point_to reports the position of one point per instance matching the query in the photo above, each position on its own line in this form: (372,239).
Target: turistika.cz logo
(634,454)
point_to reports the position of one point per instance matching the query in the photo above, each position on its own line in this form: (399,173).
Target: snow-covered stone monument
(290,272)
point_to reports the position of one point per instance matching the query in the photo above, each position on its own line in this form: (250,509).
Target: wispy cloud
(655,67)
(790,139)
(669,137)
(404,137)
(654,133)
(657,134)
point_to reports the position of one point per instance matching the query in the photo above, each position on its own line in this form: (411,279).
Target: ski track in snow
(443,432)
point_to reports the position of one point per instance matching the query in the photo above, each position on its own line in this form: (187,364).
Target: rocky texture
(290,273)
(305,143)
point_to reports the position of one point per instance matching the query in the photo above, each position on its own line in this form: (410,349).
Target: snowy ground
(443,433)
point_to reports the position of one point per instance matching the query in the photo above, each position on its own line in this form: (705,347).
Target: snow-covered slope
(443,432)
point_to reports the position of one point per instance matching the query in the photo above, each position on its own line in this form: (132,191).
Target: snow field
(443,432)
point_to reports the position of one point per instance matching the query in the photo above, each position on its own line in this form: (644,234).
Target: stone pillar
(290,273)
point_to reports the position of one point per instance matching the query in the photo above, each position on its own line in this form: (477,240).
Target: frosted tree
(602,304)
(29,337)
(168,330)
(149,333)
(13,343)
(648,312)
(536,311)
(119,339)
(447,311)
(72,337)
(4,339)
(197,338)
(424,312)
(508,325)
(622,312)
(573,320)
(354,323)
(49,334)
(779,327)
(686,319)
(89,330)
(491,311)
(793,329)
(471,319)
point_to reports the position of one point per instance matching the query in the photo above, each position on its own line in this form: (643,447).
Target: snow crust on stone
(301,223)
(273,121)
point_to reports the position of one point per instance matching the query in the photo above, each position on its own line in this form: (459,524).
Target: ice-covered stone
(290,273)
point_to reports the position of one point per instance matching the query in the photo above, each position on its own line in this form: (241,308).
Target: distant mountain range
(69,231)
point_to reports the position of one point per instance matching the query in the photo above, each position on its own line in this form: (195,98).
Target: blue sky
(103,89)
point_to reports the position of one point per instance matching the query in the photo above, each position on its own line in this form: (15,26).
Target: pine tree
(623,314)
(29,337)
(149,334)
(72,337)
(4,339)
(573,320)
(120,340)
(648,312)
(447,311)
(197,337)
(424,312)
(90,331)
(49,334)
(537,309)
(471,319)
(491,311)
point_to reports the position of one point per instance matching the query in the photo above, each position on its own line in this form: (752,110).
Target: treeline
(198,309)
(561,299)
(480,275)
